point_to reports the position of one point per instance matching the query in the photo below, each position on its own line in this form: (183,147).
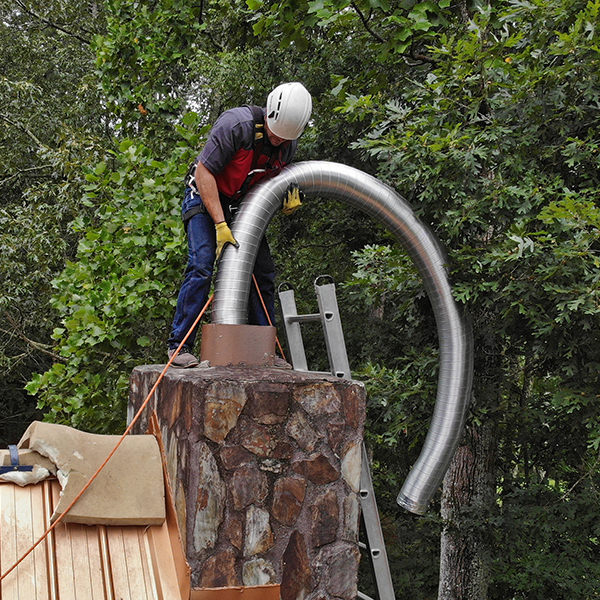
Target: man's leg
(196,283)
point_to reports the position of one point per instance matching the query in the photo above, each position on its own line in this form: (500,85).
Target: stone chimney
(265,468)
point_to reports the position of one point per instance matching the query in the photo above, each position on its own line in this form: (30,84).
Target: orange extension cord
(267,313)
(130,427)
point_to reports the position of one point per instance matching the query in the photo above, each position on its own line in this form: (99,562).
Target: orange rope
(267,313)
(127,431)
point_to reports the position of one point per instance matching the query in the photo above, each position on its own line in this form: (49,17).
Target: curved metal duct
(333,180)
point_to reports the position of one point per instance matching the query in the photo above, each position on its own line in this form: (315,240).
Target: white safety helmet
(289,107)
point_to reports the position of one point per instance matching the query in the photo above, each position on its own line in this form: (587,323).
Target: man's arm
(207,186)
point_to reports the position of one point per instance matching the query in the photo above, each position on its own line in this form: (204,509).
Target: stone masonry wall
(265,465)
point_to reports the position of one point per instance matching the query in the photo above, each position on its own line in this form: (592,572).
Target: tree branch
(35,345)
(21,171)
(365,23)
(421,57)
(464,11)
(584,476)
(23,128)
(412,54)
(51,24)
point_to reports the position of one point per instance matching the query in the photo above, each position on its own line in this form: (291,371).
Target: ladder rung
(325,373)
(303,318)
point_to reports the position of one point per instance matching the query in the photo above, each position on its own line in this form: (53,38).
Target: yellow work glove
(224,236)
(292,199)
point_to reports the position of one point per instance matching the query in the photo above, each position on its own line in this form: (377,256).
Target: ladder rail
(292,329)
(375,541)
(332,328)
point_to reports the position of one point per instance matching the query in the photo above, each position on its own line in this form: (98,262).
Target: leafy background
(484,115)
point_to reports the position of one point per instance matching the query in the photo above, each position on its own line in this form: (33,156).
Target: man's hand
(224,236)
(292,199)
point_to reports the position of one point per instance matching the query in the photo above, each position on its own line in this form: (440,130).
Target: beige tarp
(128,491)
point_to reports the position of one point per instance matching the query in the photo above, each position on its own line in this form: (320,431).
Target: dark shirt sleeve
(233,130)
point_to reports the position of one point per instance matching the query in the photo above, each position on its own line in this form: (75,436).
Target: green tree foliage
(387,28)
(484,116)
(141,72)
(547,543)
(49,127)
(117,298)
(496,149)
(485,149)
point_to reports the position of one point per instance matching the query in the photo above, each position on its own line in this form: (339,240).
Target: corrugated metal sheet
(81,562)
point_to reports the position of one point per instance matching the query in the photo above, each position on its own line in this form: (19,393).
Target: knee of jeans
(200,266)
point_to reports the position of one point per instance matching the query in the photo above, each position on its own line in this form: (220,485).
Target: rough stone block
(288,498)
(266,465)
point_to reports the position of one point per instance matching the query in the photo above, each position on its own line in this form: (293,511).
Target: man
(245,145)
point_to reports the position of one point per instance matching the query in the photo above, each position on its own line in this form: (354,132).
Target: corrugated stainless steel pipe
(333,180)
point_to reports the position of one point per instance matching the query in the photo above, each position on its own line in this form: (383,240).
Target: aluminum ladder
(329,316)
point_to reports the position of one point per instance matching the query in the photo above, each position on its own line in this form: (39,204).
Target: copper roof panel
(81,562)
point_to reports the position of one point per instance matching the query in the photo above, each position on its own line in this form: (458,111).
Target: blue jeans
(195,288)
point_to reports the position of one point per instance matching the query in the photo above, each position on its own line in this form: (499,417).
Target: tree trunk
(468,500)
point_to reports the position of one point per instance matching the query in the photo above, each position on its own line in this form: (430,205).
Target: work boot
(184,360)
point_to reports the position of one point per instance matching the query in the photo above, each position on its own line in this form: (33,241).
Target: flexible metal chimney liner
(333,180)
